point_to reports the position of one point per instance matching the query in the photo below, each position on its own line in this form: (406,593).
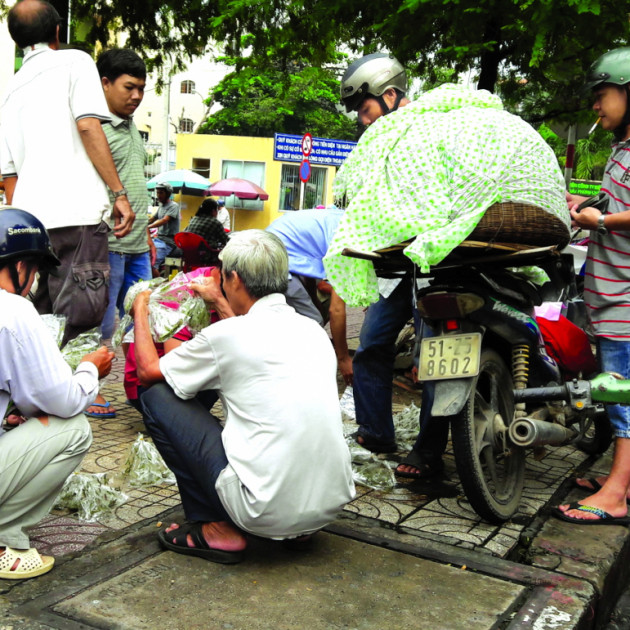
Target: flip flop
(30,564)
(371,444)
(177,540)
(425,470)
(107,414)
(604,517)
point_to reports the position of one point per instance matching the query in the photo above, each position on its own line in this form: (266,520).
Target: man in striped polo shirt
(123,75)
(607,282)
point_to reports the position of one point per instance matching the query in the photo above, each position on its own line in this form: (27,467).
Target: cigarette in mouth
(590,131)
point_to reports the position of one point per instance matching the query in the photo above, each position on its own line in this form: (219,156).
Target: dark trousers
(79,287)
(188,437)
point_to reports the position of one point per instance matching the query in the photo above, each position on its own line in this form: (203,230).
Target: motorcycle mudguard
(450,396)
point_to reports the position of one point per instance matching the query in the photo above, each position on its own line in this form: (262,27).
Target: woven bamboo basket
(521,223)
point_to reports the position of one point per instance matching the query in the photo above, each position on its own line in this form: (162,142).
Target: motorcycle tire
(491,469)
(598,437)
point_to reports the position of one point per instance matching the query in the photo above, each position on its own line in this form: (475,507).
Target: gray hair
(260,259)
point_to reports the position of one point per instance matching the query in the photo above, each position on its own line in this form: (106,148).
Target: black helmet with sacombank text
(371,75)
(23,236)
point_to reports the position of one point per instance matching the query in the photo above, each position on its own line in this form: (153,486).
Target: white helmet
(371,75)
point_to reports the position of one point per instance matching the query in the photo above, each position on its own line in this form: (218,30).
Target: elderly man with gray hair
(280,467)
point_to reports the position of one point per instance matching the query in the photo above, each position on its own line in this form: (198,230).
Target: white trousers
(35,460)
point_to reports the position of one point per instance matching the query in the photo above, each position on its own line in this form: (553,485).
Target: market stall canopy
(182,180)
(241,188)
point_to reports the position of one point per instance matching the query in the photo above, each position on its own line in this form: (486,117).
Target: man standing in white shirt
(37,456)
(51,139)
(223,215)
(275,372)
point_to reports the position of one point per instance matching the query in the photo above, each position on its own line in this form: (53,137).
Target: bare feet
(13,420)
(601,500)
(587,484)
(218,535)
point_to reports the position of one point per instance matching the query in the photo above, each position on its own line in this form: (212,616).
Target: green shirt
(128,152)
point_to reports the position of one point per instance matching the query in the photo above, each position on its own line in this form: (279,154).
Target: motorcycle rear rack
(392,259)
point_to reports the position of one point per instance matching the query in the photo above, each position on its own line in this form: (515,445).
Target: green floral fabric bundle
(429,171)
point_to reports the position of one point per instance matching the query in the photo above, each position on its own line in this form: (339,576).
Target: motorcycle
(495,380)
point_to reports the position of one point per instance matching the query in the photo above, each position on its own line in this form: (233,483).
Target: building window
(290,187)
(201,166)
(187,87)
(186,125)
(254,172)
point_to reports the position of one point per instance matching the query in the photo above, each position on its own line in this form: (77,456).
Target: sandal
(374,445)
(177,540)
(30,564)
(425,469)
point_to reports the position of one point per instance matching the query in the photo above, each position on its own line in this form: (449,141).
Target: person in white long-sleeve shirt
(37,456)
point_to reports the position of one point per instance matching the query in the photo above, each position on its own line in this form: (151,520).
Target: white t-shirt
(289,466)
(40,143)
(223,216)
(32,371)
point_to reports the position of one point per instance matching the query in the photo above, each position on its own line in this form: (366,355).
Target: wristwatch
(120,193)
(601,228)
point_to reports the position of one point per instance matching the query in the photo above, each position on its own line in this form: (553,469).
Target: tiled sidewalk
(433,510)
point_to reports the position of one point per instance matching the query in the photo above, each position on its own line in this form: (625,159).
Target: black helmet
(371,75)
(24,236)
(611,67)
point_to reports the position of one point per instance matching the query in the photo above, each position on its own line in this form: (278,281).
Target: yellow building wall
(245,148)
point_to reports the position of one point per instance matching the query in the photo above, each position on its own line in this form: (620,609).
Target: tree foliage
(522,48)
(259,101)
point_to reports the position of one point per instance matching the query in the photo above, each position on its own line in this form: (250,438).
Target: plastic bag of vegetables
(144,465)
(172,305)
(81,345)
(90,494)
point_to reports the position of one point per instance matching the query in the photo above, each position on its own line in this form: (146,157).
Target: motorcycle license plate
(451,356)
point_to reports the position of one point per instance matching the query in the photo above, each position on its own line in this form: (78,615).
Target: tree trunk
(491,57)
(63,8)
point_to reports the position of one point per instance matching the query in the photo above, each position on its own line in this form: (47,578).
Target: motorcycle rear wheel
(491,469)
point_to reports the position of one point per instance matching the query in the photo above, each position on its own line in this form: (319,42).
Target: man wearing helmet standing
(607,282)
(375,86)
(37,456)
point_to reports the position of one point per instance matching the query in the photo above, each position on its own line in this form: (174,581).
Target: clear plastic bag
(172,306)
(375,473)
(407,426)
(57,326)
(90,494)
(81,345)
(367,469)
(144,466)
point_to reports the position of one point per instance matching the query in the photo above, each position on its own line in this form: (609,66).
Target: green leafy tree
(260,101)
(521,47)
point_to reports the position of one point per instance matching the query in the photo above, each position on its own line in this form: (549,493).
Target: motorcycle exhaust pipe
(528,432)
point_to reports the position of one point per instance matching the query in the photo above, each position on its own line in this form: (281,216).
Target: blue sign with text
(325,151)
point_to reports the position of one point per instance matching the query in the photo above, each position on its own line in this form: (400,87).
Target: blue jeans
(162,250)
(373,362)
(188,437)
(614,356)
(125,270)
